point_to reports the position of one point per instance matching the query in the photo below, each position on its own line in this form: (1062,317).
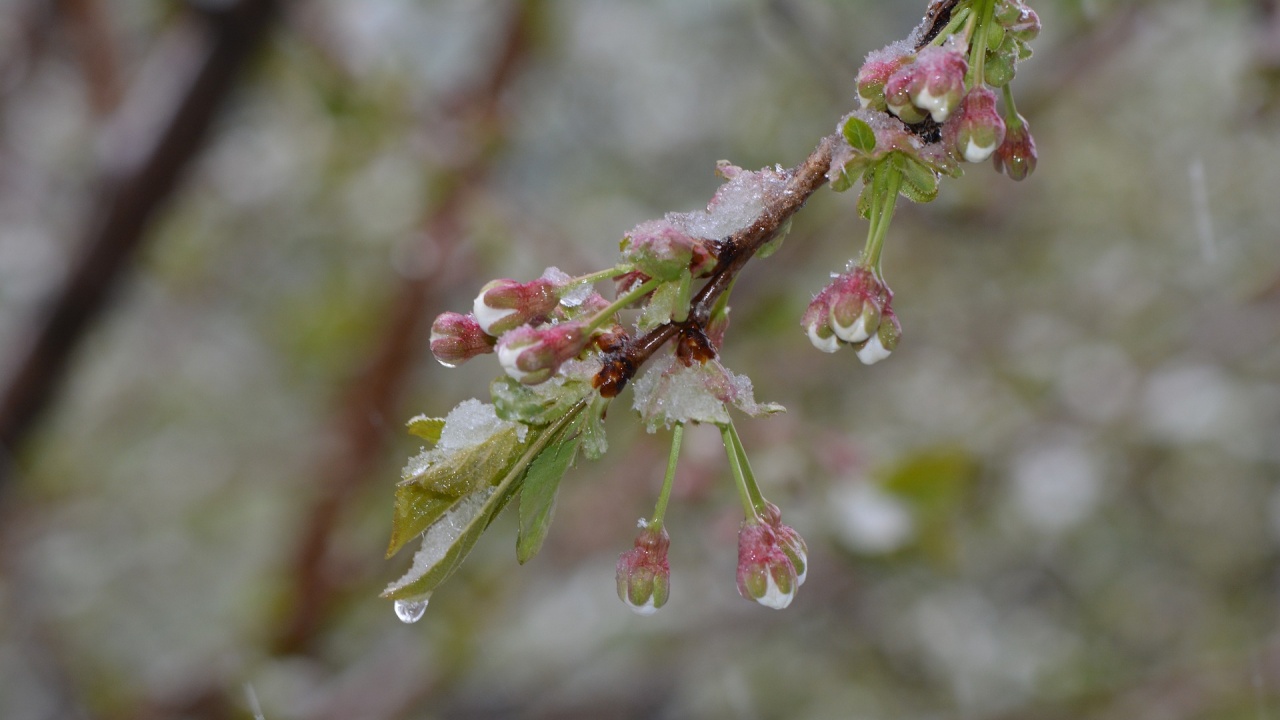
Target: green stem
(635,294)
(595,277)
(957,19)
(885,184)
(1012,119)
(978,48)
(753,490)
(660,510)
(739,478)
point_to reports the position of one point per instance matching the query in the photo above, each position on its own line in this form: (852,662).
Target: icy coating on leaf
(735,205)
(437,540)
(469,424)
(573,298)
(671,393)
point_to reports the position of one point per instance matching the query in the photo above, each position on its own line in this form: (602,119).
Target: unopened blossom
(882,344)
(933,84)
(977,128)
(504,305)
(792,545)
(644,574)
(659,249)
(765,573)
(857,300)
(456,338)
(532,355)
(1016,156)
(1025,25)
(875,72)
(816,322)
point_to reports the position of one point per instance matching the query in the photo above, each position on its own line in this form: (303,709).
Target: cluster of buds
(772,559)
(932,85)
(530,327)
(644,575)
(855,309)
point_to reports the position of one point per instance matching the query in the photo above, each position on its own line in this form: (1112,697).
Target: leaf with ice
(736,204)
(427,428)
(450,537)
(475,449)
(544,403)
(671,393)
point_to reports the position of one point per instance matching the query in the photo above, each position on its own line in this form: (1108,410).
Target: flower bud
(504,305)
(456,338)
(816,322)
(884,342)
(878,68)
(659,249)
(1016,156)
(977,129)
(792,545)
(1025,26)
(644,575)
(856,302)
(531,355)
(765,573)
(933,84)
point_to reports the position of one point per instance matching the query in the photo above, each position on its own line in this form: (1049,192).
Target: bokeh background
(1059,499)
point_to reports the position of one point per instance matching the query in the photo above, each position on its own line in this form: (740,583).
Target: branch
(148,146)
(735,251)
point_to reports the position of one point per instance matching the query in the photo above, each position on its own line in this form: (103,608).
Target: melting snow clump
(735,205)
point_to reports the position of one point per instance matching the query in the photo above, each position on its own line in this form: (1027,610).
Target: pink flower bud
(659,249)
(816,322)
(884,342)
(874,73)
(934,83)
(532,355)
(456,338)
(503,305)
(765,574)
(792,545)
(977,129)
(644,575)
(857,300)
(1016,156)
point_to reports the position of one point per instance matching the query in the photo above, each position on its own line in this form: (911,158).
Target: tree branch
(147,146)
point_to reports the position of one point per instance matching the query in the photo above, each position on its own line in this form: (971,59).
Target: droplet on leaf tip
(411,611)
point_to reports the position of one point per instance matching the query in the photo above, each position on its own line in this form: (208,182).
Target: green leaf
(536,405)
(662,306)
(423,498)
(428,429)
(594,441)
(448,541)
(538,494)
(771,246)
(919,182)
(859,134)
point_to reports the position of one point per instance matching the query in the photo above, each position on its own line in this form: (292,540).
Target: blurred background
(226,225)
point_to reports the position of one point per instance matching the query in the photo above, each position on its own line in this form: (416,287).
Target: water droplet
(411,611)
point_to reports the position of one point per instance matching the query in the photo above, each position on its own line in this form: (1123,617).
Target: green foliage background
(1060,498)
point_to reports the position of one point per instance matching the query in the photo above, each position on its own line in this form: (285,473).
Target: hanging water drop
(411,611)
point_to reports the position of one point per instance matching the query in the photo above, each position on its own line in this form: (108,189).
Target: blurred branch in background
(476,116)
(97,53)
(145,149)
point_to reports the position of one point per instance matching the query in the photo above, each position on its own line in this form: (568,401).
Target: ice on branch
(735,205)
(670,393)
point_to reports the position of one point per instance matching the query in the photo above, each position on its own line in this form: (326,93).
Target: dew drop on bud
(411,611)
(446,364)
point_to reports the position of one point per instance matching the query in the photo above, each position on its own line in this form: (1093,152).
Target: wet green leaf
(536,405)
(423,498)
(538,494)
(859,134)
(428,429)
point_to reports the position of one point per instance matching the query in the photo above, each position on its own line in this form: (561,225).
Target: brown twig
(99,62)
(149,144)
(734,253)
(375,392)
